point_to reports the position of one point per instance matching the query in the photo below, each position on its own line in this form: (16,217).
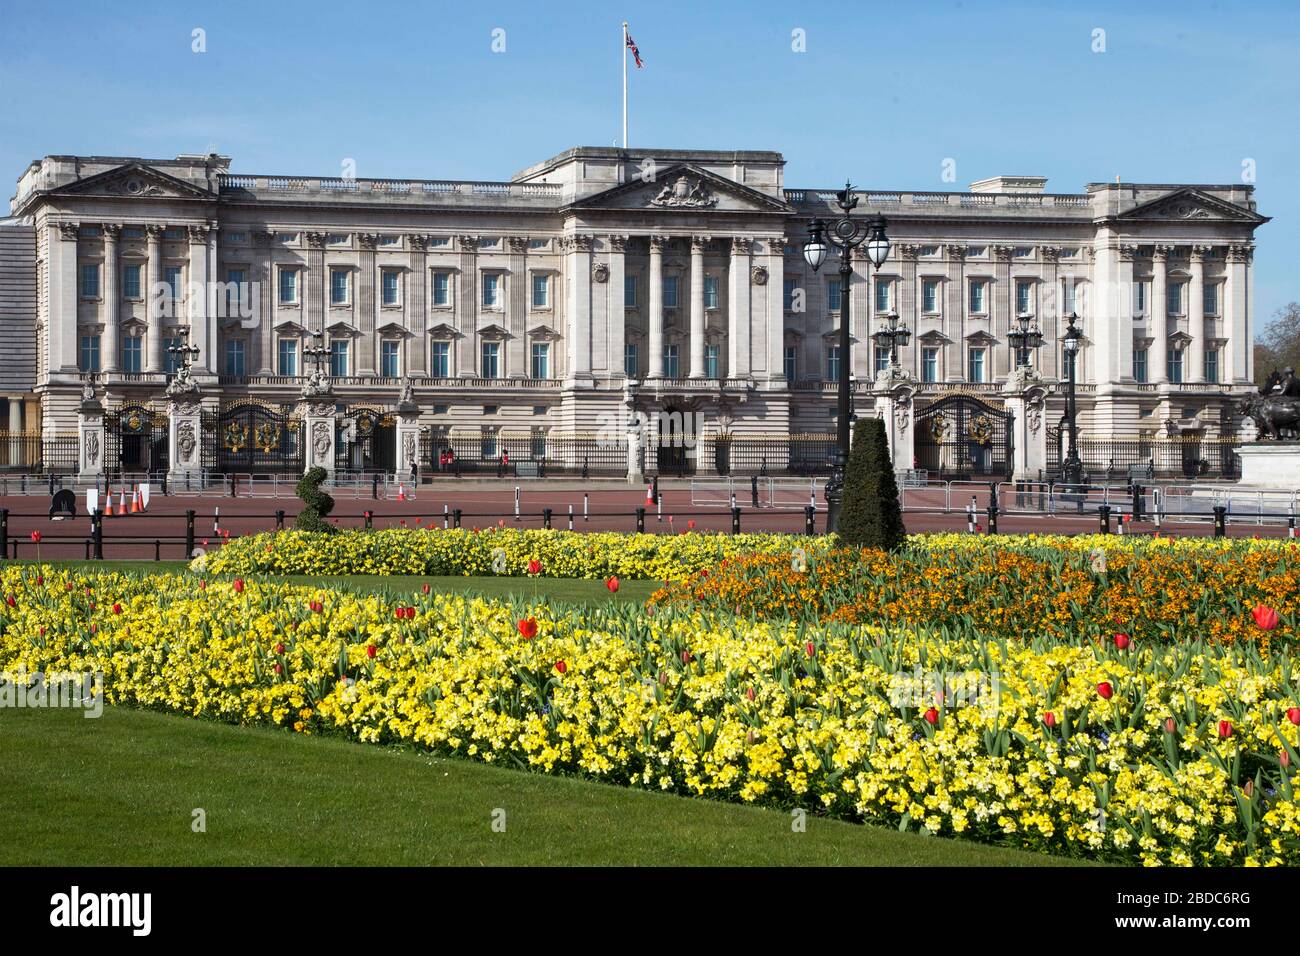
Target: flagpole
(625,84)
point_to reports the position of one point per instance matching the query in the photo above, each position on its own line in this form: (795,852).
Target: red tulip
(1171,726)
(501,523)
(810,650)
(686,657)
(534,566)
(561,666)
(1265,617)
(117,609)
(268,549)
(1225,729)
(1105,690)
(399,613)
(1293,714)
(36,536)
(278,669)
(370,650)
(10,600)
(1122,641)
(1049,719)
(40,579)
(94,628)
(239,585)
(1284,759)
(68,586)
(691,524)
(750,693)
(425,588)
(279,648)
(203,585)
(931,716)
(612,584)
(528,628)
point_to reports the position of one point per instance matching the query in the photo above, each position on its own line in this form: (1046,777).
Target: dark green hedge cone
(870,516)
(316,503)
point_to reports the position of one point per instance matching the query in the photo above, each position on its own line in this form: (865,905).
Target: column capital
(776,245)
(518,245)
(418,241)
(68,231)
(112,230)
(1127,251)
(956,251)
(368,241)
(154,232)
(1050,253)
(1003,253)
(1199,252)
(658,244)
(198,235)
(579,242)
(698,243)
(263,239)
(1241,253)
(741,245)
(618,243)
(316,240)
(909,251)
(1161,252)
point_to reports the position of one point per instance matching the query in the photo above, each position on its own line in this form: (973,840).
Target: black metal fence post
(735,520)
(1137,502)
(753,491)
(374,487)
(97,533)
(4,533)
(455,516)
(654,489)
(640,519)
(1220,521)
(370,517)
(993,509)
(546,518)
(809,519)
(1104,512)
(233,479)
(279,519)
(189,533)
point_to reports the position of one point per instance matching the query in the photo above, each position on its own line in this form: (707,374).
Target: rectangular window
(541,360)
(288,356)
(930,364)
(1174,298)
(930,295)
(339,358)
(629,292)
(670,292)
(90,281)
(833,295)
(1211,365)
(884,295)
(288,288)
(977,296)
(491,359)
(791,363)
(1024,297)
(390,284)
(710,361)
(671,364)
(881,359)
(1139,298)
(630,367)
(1210,299)
(710,292)
(172,276)
(89,358)
(789,287)
(235,291)
(234,357)
(833,363)
(441,360)
(171,362)
(1139,365)
(131,282)
(487,445)
(338,287)
(1174,369)
(132,349)
(491,290)
(389,364)
(1069,297)
(442,288)
(976,361)
(541,292)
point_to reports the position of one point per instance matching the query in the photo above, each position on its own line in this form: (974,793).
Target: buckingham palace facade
(602,283)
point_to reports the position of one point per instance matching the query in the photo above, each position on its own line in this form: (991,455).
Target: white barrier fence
(767,492)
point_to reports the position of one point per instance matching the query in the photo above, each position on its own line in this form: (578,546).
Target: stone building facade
(602,282)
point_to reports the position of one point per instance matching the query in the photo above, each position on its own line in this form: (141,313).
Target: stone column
(313,283)
(1158,360)
(1000,312)
(1240,362)
(577,259)
(90,431)
(211,310)
(957,298)
(697,306)
(408,440)
(908,310)
(1025,396)
(318,417)
(263,274)
(768,348)
(894,391)
(154,297)
(1196,317)
(655,298)
(740,323)
(112,299)
(517,297)
(467,295)
(610,334)
(63,298)
(417,307)
(196,298)
(184,436)
(367,303)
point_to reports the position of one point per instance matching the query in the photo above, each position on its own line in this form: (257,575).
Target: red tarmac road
(161,531)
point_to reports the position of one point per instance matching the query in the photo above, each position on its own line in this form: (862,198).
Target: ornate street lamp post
(1025,338)
(892,335)
(844,234)
(184,354)
(1070,341)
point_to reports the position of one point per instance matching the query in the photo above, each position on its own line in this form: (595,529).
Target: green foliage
(316,503)
(870,516)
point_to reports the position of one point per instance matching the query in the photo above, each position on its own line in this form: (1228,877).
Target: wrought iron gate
(136,440)
(365,441)
(256,438)
(962,436)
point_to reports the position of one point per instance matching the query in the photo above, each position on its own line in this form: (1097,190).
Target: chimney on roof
(1010,184)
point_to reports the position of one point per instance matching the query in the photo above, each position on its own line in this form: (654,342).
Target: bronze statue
(1276,409)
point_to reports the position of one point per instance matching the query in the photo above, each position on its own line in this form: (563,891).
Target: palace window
(88,361)
(791,362)
(671,364)
(832,295)
(441,366)
(1174,298)
(288,286)
(930,295)
(235,357)
(442,288)
(1024,296)
(930,364)
(288,357)
(788,286)
(629,292)
(90,281)
(1069,296)
(1139,298)
(670,292)
(1212,365)
(172,276)
(389,364)
(132,349)
(339,358)
(833,363)
(541,291)
(131,282)
(491,359)
(338,287)
(975,363)
(881,359)
(1210,299)
(491,290)
(235,279)
(710,361)
(710,292)
(1175,366)
(977,289)
(630,367)
(541,360)
(884,295)
(391,284)
(1139,365)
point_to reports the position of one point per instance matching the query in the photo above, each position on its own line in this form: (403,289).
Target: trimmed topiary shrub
(870,516)
(316,503)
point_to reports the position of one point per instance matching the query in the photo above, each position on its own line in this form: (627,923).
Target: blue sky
(883,93)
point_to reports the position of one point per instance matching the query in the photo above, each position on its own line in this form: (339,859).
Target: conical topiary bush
(870,516)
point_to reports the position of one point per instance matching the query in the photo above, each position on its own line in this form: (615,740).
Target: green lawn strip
(121,790)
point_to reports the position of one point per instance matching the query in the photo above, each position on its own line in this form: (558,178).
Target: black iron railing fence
(1149,458)
(39,454)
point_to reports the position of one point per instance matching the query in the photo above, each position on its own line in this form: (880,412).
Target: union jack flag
(636,54)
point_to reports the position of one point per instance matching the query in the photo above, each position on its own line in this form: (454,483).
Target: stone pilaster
(154,298)
(318,416)
(1158,312)
(112,300)
(416,351)
(697,306)
(196,297)
(1196,317)
(467,299)
(90,432)
(184,440)
(1025,397)
(263,275)
(655,306)
(894,390)
(740,323)
(367,304)
(408,440)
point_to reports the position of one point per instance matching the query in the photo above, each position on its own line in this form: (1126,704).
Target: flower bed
(503,551)
(1151,753)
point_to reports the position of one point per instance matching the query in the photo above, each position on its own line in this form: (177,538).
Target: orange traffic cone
(135,500)
(121,503)
(401,491)
(649,496)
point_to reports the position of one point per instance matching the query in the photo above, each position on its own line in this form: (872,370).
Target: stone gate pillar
(408,440)
(184,431)
(90,434)
(317,412)
(894,390)
(1025,396)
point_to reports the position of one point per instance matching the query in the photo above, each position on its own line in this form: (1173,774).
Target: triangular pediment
(493,333)
(341,328)
(290,327)
(683,187)
(1191,205)
(444,331)
(543,333)
(933,337)
(135,181)
(980,337)
(394,328)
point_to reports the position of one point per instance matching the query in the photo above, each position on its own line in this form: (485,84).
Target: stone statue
(407,396)
(182,383)
(88,393)
(317,383)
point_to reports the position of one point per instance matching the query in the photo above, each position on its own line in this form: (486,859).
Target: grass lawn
(555,589)
(121,790)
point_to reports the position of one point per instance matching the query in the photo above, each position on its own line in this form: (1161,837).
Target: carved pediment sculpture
(685,192)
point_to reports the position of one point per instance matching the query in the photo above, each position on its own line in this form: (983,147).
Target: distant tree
(870,516)
(1278,344)
(316,504)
